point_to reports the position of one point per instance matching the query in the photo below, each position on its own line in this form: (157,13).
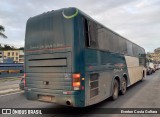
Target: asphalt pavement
(9,83)
(145,94)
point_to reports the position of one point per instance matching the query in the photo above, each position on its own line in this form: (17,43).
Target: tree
(7,47)
(1,47)
(21,48)
(1,32)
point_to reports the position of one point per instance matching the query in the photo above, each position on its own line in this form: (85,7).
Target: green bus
(71,59)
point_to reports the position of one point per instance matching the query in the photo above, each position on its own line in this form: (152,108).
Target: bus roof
(87,17)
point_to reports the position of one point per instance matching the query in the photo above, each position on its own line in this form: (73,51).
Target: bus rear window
(49,31)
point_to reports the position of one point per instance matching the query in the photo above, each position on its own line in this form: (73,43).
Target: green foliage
(21,48)
(8,47)
(2,29)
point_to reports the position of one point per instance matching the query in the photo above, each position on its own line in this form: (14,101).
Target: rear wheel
(123,86)
(143,75)
(115,90)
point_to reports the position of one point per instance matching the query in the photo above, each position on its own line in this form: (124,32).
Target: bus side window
(86,33)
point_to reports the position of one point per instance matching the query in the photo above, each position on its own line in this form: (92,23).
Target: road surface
(144,94)
(4,75)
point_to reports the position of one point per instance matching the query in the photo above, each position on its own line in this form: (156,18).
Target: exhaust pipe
(68,102)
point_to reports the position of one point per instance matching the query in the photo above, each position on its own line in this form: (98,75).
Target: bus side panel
(135,71)
(101,91)
(101,69)
(78,57)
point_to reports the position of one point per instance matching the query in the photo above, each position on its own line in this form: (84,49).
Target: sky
(136,20)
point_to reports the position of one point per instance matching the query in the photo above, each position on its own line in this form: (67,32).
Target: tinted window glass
(104,39)
(86,33)
(49,30)
(129,48)
(93,34)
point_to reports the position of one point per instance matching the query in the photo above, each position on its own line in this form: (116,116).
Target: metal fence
(11,68)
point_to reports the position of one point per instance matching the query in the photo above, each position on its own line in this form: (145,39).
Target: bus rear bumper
(62,99)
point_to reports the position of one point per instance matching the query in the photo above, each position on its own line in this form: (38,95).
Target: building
(155,57)
(16,55)
(21,56)
(157,50)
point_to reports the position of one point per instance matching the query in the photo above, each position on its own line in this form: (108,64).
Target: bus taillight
(76,84)
(76,81)
(76,76)
(24,79)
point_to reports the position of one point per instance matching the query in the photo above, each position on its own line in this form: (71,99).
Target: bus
(72,60)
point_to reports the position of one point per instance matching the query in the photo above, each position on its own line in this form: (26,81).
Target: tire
(143,75)
(115,90)
(123,86)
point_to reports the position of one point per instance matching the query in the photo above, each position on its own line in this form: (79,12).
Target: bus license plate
(45,98)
